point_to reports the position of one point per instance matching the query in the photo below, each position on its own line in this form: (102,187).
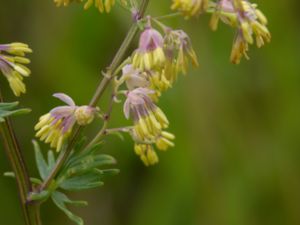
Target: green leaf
(89,163)
(9,174)
(60,200)
(40,161)
(32,179)
(80,155)
(51,160)
(82,182)
(108,172)
(8,109)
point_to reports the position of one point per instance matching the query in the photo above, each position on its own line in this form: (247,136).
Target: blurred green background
(237,154)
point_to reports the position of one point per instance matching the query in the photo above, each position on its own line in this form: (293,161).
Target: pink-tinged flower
(12,58)
(56,126)
(249,22)
(179,52)
(134,78)
(150,54)
(148,119)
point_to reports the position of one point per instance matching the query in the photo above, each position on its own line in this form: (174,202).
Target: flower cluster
(101,5)
(248,20)
(154,67)
(240,14)
(56,126)
(12,60)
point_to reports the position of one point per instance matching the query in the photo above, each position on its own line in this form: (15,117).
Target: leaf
(9,174)
(88,163)
(85,181)
(32,179)
(60,200)
(81,155)
(108,172)
(7,109)
(51,160)
(40,161)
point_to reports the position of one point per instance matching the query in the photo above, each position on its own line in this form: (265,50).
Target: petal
(65,98)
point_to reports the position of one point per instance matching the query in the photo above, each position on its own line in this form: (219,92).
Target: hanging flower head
(146,150)
(179,52)
(150,54)
(12,58)
(249,22)
(65,2)
(101,5)
(148,119)
(190,8)
(146,153)
(134,78)
(56,126)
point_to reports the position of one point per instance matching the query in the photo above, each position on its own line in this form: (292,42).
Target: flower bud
(84,115)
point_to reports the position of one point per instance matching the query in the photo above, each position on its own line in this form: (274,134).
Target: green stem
(16,159)
(104,83)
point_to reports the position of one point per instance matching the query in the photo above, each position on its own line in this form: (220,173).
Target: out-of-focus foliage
(9,109)
(237,154)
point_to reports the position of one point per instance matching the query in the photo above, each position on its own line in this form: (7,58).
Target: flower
(190,8)
(146,153)
(249,22)
(12,58)
(65,2)
(56,126)
(101,5)
(150,54)
(146,150)
(148,119)
(134,78)
(179,51)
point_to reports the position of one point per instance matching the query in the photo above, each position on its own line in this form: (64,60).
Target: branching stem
(104,83)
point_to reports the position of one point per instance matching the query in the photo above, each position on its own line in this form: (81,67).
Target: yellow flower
(146,153)
(190,8)
(239,49)
(146,150)
(179,54)
(149,120)
(56,126)
(150,54)
(12,58)
(101,5)
(249,22)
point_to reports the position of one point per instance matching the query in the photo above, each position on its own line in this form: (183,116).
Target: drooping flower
(134,78)
(149,120)
(12,58)
(150,54)
(65,2)
(101,5)
(190,8)
(56,126)
(146,150)
(179,52)
(249,22)
(146,153)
